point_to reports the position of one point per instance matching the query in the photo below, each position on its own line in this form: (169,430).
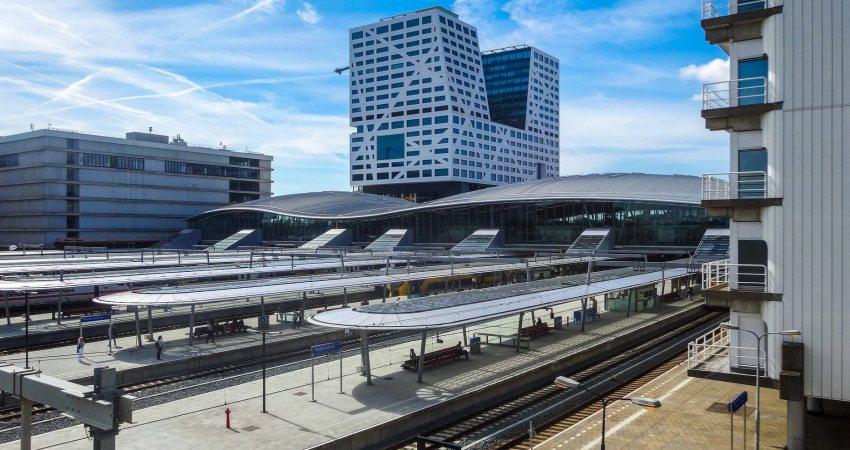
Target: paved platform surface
(688,420)
(294,421)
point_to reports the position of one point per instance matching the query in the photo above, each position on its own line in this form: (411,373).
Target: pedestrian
(211,332)
(300,318)
(81,345)
(159,345)
(690,292)
(110,335)
(412,355)
(294,319)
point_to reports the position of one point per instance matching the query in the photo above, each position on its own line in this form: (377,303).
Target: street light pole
(646,402)
(264,371)
(791,333)
(27,332)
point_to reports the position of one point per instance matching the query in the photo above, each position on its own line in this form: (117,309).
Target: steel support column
(138,329)
(583,313)
(150,323)
(26,424)
(422,357)
(191,325)
(464,336)
(518,331)
(364,341)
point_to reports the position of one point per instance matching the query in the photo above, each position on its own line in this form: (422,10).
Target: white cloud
(714,70)
(308,14)
(604,134)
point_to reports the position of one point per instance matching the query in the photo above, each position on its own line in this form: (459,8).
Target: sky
(258,75)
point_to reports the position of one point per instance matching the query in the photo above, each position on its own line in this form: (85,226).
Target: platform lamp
(789,333)
(644,402)
(264,332)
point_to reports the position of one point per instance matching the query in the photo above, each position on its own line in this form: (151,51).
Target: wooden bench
(436,358)
(66,313)
(535,330)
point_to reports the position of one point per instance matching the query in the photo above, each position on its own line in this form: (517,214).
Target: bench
(66,313)
(535,330)
(436,358)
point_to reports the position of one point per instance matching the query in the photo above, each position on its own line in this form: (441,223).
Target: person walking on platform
(294,320)
(211,332)
(690,292)
(81,345)
(110,335)
(159,345)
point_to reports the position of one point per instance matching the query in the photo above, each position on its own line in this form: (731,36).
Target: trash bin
(263,322)
(475,345)
(559,323)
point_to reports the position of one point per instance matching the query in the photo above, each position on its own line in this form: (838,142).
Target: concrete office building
(787,110)
(61,187)
(434,116)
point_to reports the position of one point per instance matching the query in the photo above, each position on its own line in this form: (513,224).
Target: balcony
(726,21)
(739,195)
(724,282)
(737,105)
(713,356)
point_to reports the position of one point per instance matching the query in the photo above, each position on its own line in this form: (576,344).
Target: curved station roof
(679,189)
(469,307)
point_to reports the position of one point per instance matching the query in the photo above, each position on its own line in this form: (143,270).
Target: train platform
(293,420)
(693,415)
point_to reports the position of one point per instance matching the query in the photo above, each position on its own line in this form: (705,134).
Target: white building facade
(61,187)
(787,109)
(424,115)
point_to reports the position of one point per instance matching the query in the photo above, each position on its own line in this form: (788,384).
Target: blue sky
(258,74)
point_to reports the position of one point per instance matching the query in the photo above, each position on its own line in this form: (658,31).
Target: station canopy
(475,306)
(226,291)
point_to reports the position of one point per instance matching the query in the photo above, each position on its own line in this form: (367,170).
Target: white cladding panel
(808,47)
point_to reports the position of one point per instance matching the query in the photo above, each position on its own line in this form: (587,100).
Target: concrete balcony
(737,105)
(726,21)
(713,356)
(738,286)
(737,195)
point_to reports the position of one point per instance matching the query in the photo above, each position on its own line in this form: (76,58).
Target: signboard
(330,347)
(95,318)
(737,402)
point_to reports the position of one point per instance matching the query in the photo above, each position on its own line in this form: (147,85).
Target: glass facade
(506,78)
(547,223)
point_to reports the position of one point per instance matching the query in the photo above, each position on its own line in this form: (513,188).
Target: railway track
(551,409)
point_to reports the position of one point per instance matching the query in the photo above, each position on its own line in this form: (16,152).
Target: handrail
(745,277)
(720,8)
(737,185)
(726,94)
(715,345)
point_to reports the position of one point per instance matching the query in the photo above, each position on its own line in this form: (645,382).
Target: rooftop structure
(68,187)
(435,117)
(659,210)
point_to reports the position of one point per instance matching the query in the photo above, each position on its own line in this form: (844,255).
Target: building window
(72,222)
(113,162)
(390,146)
(72,174)
(752,81)
(242,198)
(9,160)
(752,185)
(245,162)
(72,206)
(72,190)
(73,144)
(240,185)
(750,5)
(211,170)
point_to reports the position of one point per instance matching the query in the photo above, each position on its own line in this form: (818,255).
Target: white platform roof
(476,306)
(170,274)
(225,291)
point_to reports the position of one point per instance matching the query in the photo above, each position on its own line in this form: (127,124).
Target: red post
(227,414)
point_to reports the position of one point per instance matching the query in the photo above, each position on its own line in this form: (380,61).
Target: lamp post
(263,332)
(790,333)
(645,402)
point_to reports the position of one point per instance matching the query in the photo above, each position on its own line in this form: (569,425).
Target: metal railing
(734,185)
(714,347)
(740,92)
(745,277)
(720,8)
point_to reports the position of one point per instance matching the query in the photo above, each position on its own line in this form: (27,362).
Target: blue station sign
(330,347)
(737,402)
(95,318)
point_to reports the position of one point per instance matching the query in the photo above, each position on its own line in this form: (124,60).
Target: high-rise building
(434,116)
(73,188)
(786,108)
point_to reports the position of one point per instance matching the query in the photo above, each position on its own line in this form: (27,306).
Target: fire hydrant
(227,414)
